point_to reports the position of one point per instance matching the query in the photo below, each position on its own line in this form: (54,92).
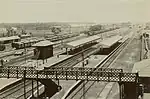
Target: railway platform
(41,64)
(38,64)
(5,82)
(50,61)
(68,85)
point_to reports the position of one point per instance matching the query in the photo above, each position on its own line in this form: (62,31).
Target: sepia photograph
(74,49)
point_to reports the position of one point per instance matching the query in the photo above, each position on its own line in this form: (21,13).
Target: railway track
(28,92)
(21,58)
(104,91)
(69,62)
(28,56)
(17,60)
(10,52)
(14,92)
(6,51)
(105,64)
(56,47)
(7,94)
(6,55)
(76,58)
(72,62)
(132,53)
(19,91)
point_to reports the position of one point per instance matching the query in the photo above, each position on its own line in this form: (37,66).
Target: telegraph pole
(83,70)
(25,52)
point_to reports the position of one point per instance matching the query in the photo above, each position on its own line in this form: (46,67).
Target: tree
(15,33)
(3,35)
(31,34)
(95,28)
(8,32)
(23,32)
(86,32)
(56,30)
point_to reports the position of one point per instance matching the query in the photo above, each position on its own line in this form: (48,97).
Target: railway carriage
(25,43)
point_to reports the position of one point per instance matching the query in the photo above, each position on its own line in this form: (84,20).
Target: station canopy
(81,42)
(123,39)
(108,42)
(142,67)
(43,44)
(9,38)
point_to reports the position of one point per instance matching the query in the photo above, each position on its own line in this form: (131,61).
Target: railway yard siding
(92,61)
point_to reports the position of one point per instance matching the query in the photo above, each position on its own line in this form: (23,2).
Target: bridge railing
(16,67)
(103,74)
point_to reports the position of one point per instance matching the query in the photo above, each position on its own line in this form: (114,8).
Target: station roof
(106,43)
(142,67)
(9,38)
(123,39)
(43,43)
(82,41)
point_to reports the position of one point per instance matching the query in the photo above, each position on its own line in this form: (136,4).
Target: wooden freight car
(25,43)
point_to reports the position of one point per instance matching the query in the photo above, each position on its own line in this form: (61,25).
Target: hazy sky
(99,11)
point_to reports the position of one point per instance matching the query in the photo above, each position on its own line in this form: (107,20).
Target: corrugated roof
(43,43)
(82,41)
(110,41)
(142,67)
(9,38)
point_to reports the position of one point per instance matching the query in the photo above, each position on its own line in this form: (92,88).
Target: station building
(43,49)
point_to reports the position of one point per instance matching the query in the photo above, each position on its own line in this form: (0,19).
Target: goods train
(54,38)
(26,43)
(90,33)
